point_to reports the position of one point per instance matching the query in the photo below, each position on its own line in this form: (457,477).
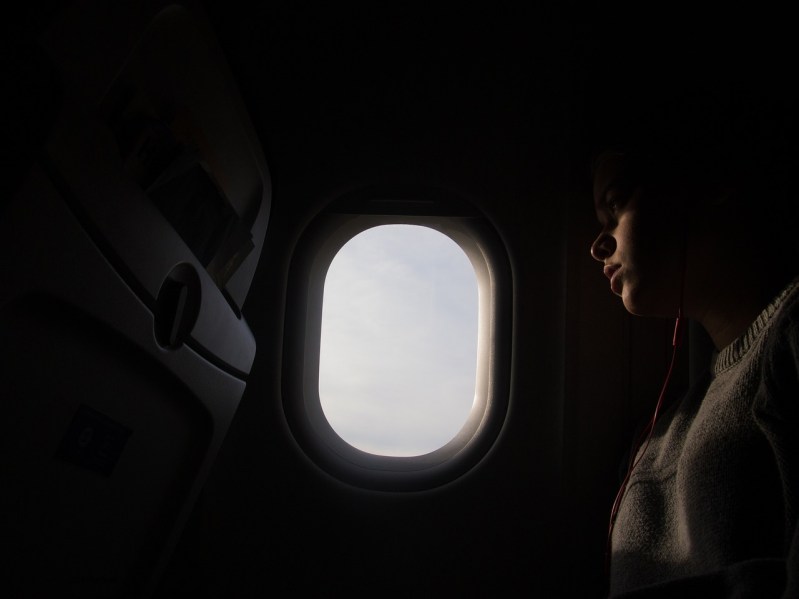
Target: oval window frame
(313,253)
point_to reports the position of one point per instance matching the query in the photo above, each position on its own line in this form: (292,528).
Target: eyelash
(615,199)
(613,203)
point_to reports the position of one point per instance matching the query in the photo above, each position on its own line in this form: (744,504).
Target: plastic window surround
(315,250)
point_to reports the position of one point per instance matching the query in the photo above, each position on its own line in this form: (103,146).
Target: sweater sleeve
(777,409)
(777,414)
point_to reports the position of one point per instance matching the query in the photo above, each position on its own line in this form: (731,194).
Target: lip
(611,271)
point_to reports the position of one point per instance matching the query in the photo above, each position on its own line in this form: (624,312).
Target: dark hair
(741,133)
(705,129)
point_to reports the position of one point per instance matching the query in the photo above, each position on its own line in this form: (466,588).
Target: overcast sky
(399,340)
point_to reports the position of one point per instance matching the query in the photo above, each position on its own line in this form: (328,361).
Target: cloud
(399,340)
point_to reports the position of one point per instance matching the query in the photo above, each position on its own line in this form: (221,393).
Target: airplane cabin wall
(346,100)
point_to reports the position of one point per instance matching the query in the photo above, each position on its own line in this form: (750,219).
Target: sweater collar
(729,355)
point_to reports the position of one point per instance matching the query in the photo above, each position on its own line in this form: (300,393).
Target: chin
(633,309)
(638,305)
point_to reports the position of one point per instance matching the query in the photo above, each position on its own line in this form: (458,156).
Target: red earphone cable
(647,433)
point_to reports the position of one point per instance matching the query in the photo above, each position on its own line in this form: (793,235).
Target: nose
(603,247)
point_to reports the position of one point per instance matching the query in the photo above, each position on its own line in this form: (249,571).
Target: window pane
(399,340)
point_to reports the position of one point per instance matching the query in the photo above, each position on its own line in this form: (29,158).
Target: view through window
(398,351)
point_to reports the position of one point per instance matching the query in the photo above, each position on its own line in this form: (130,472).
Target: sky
(399,340)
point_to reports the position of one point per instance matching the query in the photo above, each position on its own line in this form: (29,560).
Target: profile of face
(641,241)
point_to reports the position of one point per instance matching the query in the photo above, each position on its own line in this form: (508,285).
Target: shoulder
(780,365)
(784,330)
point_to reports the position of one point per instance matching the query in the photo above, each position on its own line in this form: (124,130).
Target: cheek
(632,241)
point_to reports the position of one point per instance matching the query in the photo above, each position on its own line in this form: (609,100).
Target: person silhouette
(694,195)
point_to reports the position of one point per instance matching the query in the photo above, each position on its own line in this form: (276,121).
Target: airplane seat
(130,237)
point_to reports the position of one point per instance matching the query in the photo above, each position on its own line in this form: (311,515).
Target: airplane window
(398,348)
(397,344)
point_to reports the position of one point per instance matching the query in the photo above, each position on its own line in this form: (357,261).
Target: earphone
(641,445)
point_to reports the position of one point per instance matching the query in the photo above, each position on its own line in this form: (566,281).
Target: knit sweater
(712,506)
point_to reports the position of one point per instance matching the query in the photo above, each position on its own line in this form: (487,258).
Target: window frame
(315,250)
